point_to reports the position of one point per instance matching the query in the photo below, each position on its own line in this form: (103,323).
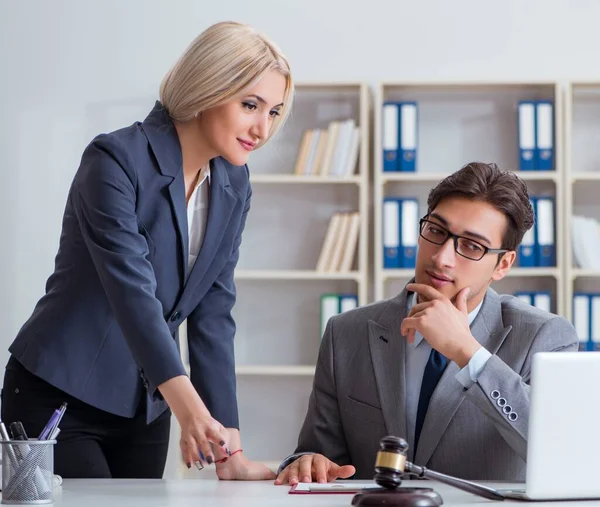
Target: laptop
(563,448)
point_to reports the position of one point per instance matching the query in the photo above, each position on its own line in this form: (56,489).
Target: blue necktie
(433,371)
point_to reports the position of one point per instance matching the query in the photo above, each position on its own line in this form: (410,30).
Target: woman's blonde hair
(223,61)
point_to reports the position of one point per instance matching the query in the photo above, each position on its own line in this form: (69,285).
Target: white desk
(203,493)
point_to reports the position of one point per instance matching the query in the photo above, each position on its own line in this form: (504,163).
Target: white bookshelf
(278,308)
(277,313)
(460,123)
(581,179)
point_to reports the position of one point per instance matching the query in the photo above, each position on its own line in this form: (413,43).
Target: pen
(53,422)
(11,452)
(18,433)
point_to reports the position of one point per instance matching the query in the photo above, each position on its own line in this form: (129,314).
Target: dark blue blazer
(106,329)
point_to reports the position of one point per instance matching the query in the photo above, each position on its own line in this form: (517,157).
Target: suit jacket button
(501,402)
(513,416)
(495,394)
(175,316)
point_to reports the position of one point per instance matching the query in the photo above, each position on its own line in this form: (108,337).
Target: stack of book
(329,152)
(339,247)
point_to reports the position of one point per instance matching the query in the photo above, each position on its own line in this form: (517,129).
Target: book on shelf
(585,240)
(586,319)
(340,243)
(536,135)
(335,304)
(538,247)
(330,152)
(400,139)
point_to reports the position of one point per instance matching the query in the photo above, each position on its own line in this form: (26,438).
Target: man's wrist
(466,352)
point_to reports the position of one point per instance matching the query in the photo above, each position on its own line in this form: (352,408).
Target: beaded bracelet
(223,460)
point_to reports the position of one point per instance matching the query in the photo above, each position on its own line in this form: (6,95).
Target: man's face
(441,267)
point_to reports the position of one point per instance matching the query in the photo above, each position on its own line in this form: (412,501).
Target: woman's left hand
(238,467)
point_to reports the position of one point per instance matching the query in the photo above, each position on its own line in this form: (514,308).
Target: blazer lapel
(163,139)
(387,348)
(177,196)
(222,202)
(488,329)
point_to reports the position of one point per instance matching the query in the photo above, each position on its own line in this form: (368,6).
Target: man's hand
(444,325)
(313,468)
(237,467)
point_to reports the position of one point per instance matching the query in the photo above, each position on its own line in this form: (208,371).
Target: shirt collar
(418,336)
(204,174)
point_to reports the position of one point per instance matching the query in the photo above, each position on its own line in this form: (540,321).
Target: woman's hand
(237,467)
(198,428)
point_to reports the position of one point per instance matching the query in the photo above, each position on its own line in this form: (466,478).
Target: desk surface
(199,493)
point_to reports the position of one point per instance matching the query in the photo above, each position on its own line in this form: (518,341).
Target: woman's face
(234,129)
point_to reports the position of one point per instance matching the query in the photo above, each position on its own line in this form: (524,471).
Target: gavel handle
(468,486)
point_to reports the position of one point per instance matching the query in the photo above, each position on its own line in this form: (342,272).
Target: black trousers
(92,443)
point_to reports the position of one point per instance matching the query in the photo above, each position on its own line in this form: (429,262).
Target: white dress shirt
(417,355)
(197,215)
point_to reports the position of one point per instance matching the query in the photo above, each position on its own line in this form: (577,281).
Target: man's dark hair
(487,183)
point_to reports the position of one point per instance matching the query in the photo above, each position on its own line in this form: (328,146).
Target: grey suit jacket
(358,394)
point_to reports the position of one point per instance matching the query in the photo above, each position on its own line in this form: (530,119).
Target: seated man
(445,364)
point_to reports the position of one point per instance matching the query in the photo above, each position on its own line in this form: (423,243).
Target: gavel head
(391,458)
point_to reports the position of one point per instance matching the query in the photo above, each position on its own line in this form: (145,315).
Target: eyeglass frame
(455,238)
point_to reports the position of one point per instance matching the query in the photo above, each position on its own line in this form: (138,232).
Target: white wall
(71,69)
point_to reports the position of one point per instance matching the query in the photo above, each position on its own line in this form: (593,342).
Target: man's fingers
(293,473)
(341,472)
(411,323)
(425,290)
(282,477)
(461,300)
(419,307)
(305,472)
(321,465)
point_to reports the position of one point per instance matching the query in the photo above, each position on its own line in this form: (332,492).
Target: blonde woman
(150,237)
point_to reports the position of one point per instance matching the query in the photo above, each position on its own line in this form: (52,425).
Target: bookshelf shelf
(585,177)
(459,122)
(293,274)
(388,274)
(584,273)
(264,370)
(582,174)
(426,177)
(291,179)
(280,278)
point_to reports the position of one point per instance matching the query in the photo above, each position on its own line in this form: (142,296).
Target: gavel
(391,465)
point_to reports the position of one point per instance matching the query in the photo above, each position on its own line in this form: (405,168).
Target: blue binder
(407,136)
(347,302)
(527,250)
(409,231)
(526,132)
(391,233)
(582,311)
(390,122)
(544,146)
(546,237)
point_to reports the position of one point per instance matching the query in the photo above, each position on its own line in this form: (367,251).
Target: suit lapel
(387,348)
(177,196)
(222,202)
(164,141)
(488,329)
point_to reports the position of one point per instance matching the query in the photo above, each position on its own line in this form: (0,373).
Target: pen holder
(27,471)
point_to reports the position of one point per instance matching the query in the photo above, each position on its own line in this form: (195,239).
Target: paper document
(333,487)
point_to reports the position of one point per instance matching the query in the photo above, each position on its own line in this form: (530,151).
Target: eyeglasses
(465,247)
